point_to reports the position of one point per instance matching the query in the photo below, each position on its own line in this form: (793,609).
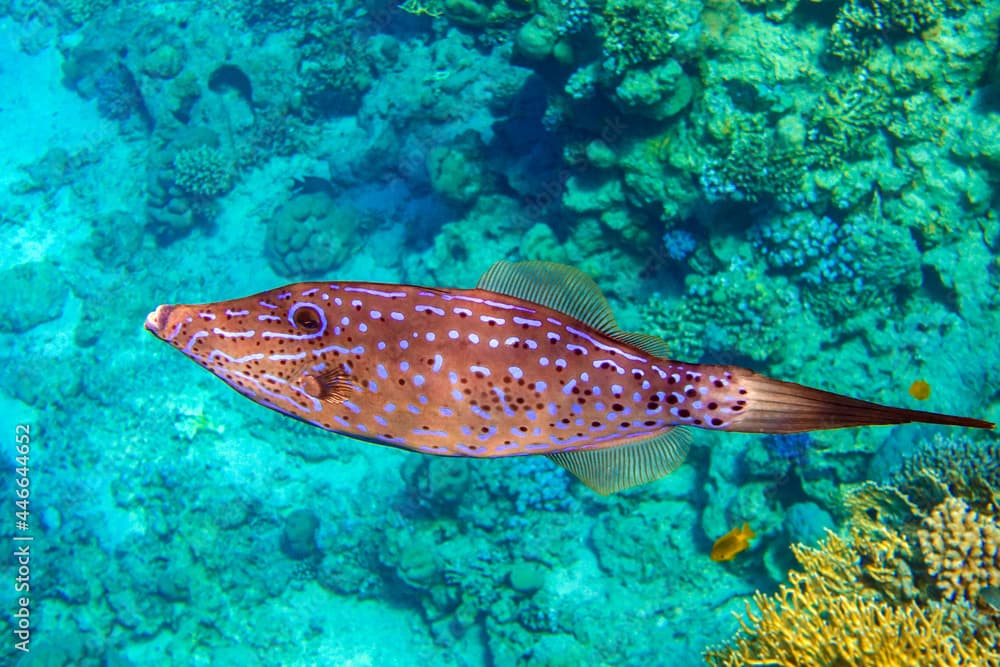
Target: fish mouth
(157,320)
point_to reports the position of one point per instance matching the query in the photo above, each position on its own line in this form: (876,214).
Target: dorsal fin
(655,345)
(622,467)
(569,291)
(556,286)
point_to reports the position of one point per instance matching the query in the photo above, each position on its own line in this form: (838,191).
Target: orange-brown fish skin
(452,372)
(477,373)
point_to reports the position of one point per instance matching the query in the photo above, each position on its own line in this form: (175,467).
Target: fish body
(529,362)
(450,372)
(732,543)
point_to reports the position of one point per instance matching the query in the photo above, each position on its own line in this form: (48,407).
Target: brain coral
(962,549)
(312,234)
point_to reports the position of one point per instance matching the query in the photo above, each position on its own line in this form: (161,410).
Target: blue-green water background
(804,188)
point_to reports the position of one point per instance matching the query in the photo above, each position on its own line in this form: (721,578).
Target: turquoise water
(803,188)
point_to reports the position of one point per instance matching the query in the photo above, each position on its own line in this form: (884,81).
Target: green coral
(537,38)
(541,243)
(202,171)
(862,26)
(456,171)
(659,93)
(736,311)
(637,32)
(756,166)
(41,293)
(847,119)
(81,11)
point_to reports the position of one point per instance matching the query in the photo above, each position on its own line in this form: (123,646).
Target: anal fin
(618,468)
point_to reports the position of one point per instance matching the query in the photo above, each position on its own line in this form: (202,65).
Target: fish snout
(156,321)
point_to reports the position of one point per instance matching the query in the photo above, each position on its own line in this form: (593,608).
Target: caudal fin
(774,406)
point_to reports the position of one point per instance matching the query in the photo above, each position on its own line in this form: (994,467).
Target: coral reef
(862,26)
(732,311)
(190,174)
(962,549)
(312,234)
(807,188)
(41,303)
(298,537)
(957,461)
(202,171)
(635,32)
(828,615)
(859,261)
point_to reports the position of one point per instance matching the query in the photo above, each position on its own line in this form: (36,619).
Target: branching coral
(847,118)
(840,265)
(827,616)
(202,171)
(755,166)
(807,629)
(862,25)
(962,549)
(726,312)
(955,461)
(637,32)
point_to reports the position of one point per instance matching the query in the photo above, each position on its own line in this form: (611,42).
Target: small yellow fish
(732,543)
(920,390)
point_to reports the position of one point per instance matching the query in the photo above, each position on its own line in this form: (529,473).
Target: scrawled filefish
(529,362)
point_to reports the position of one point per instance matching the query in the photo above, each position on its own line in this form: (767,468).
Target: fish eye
(306,318)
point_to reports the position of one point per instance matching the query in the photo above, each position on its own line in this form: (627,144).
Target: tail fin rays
(774,406)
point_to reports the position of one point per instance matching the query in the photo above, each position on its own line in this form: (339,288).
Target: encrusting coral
(962,549)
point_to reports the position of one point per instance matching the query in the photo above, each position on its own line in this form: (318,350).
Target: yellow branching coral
(879,517)
(962,549)
(827,617)
(805,630)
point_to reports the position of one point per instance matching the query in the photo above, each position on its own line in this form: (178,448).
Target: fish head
(279,351)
